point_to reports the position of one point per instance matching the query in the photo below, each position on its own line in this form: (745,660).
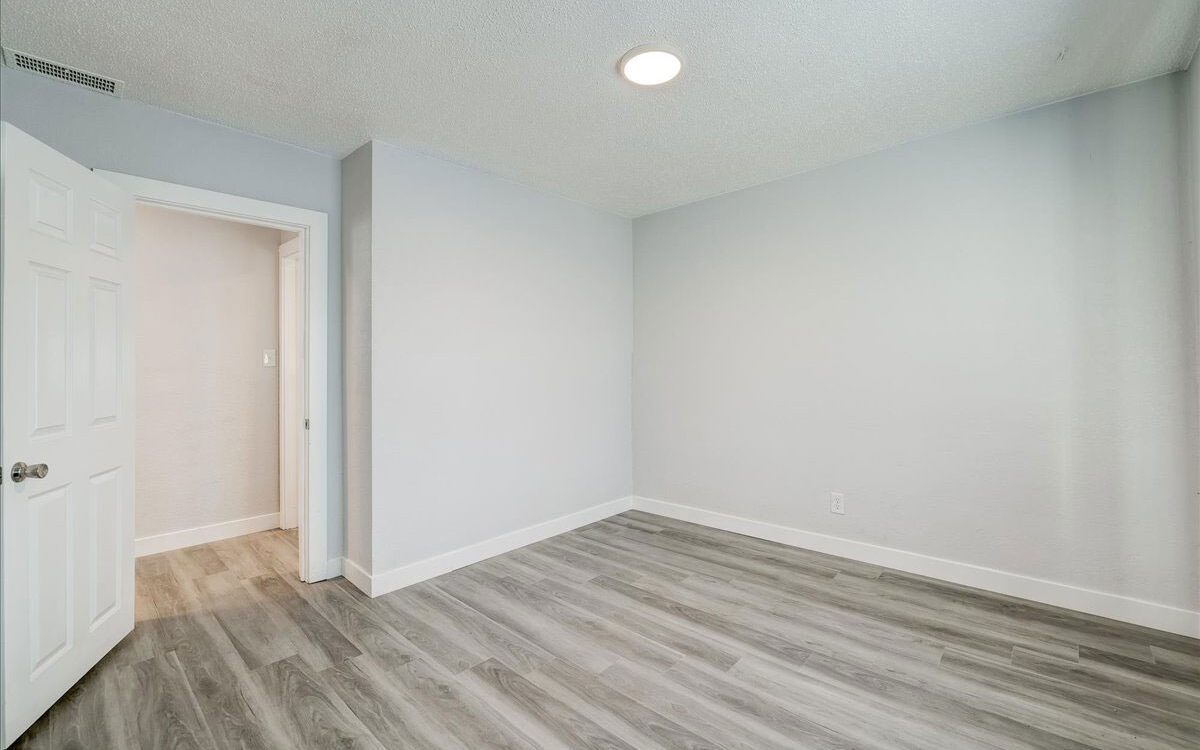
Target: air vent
(42,66)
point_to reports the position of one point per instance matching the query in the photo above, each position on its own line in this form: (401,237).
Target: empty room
(523,374)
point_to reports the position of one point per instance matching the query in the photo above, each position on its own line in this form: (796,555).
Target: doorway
(69,397)
(219,347)
(288,360)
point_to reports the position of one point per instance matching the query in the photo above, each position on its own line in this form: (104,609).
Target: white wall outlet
(268,357)
(837,503)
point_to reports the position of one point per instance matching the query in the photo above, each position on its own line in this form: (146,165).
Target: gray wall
(984,339)
(500,345)
(356,269)
(125,136)
(1191,214)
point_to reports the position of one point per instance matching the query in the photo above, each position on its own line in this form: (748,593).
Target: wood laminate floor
(635,632)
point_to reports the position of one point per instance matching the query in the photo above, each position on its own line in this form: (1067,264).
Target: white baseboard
(149,545)
(356,575)
(432,567)
(1114,606)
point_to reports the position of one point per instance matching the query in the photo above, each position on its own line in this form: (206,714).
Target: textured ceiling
(528,89)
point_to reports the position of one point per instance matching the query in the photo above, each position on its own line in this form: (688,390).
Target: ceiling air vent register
(42,66)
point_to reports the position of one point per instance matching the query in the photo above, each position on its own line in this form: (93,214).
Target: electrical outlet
(837,503)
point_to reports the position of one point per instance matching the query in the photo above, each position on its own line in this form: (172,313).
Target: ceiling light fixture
(650,65)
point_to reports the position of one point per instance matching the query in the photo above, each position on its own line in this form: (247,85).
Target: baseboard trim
(432,567)
(1113,606)
(149,545)
(354,573)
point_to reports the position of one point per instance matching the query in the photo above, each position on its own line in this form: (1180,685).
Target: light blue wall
(982,338)
(499,346)
(126,136)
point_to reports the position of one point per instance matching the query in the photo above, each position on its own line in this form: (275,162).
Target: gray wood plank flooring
(634,632)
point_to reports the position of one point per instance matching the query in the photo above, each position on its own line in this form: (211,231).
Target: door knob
(21,471)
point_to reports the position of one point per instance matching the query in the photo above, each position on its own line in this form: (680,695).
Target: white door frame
(291,371)
(313,228)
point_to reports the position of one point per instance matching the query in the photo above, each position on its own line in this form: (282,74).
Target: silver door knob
(21,471)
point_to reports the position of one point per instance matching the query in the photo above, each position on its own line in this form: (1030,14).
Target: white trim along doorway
(312,229)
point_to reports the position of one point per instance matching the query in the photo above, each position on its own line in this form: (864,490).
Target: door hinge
(306,423)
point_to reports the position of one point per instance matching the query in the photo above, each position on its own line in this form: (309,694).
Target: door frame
(313,228)
(292,361)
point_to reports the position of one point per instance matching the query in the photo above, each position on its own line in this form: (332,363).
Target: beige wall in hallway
(207,409)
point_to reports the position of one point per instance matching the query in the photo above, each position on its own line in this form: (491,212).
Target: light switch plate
(268,357)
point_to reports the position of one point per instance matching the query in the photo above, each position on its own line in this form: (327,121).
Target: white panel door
(66,401)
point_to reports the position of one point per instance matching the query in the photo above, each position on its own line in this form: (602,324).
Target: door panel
(105,553)
(105,338)
(66,390)
(51,611)
(106,229)
(50,312)
(49,207)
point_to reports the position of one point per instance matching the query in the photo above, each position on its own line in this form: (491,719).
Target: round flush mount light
(650,65)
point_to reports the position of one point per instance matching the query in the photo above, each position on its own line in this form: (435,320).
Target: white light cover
(650,67)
